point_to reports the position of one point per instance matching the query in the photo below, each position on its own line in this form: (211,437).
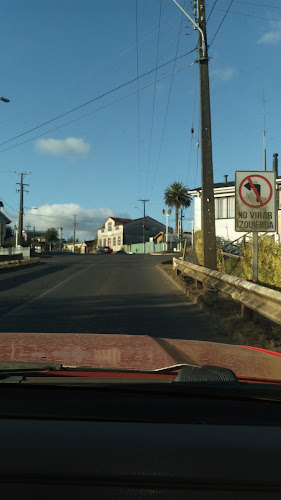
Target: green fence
(150,247)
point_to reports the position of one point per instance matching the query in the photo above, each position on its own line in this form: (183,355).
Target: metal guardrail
(258,298)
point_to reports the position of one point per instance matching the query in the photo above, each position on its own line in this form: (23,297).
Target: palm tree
(176,195)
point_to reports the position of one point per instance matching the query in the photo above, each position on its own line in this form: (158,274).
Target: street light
(167,234)
(4,99)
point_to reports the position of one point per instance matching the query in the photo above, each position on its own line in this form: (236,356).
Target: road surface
(100,294)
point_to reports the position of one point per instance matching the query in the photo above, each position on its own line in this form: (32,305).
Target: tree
(50,236)
(176,195)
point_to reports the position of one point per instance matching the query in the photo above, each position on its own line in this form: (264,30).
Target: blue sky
(59,54)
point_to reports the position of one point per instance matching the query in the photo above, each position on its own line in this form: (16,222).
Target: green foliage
(198,241)
(176,196)
(51,235)
(269,261)
(228,265)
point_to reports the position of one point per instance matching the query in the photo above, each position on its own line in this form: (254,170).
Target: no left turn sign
(255,191)
(255,208)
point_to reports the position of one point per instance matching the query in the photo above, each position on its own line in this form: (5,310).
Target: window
(119,240)
(102,230)
(104,242)
(100,243)
(114,241)
(225,207)
(109,226)
(116,228)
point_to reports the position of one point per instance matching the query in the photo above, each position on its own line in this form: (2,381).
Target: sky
(67,57)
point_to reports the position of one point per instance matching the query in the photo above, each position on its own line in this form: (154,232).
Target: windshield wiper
(15,372)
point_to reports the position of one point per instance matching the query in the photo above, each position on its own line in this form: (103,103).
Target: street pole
(208,206)
(21,190)
(74,232)
(255,255)
(34,237)
(181,233)
(167,231)
(143,224)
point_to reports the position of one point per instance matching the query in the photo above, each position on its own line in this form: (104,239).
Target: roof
(148,217)
(216,185)
(4,218)
(219,185)
(90,242)
(119,220)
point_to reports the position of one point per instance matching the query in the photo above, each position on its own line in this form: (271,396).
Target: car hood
(136,352)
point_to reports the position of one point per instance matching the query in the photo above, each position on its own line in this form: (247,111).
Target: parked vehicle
(105,250)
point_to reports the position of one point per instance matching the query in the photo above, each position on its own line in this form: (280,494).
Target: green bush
(269,261)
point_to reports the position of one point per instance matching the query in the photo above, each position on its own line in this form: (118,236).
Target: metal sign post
(255,206)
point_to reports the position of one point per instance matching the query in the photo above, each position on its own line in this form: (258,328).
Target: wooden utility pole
(143,224)
(207,203)
(74,232)
(21,190)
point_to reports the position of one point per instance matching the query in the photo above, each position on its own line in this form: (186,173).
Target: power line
(219,27)
(154,95)
(192,126)
(138,97)
(96,110)
(214,4)
(167,108)
(8,205)
(258,4)
(95,98)
(250,15)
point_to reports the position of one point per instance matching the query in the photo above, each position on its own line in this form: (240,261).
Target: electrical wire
(8,205)
(250,15)
(138,100)
(220,25)
(192,126)
(167,108)
(97,98)
(214,4)
(154,96)
(98,109)
(258,4)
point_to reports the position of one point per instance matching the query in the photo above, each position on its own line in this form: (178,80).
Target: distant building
(117,232)
(3,222)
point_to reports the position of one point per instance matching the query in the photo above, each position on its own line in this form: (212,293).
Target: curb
(15,267)
(192,298)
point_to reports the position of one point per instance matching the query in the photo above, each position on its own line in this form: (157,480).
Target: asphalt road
(100,294)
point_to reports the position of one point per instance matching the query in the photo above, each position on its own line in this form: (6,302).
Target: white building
(224,194)
(112,233)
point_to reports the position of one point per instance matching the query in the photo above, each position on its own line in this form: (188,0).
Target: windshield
(139,195)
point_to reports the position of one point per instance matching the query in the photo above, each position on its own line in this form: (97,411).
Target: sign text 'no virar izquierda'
(255,201)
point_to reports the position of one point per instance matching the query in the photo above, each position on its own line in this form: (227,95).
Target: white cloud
(273,35)
(224,74)
(61,215)
(68,146)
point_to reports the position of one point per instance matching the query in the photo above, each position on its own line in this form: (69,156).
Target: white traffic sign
(255,201)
